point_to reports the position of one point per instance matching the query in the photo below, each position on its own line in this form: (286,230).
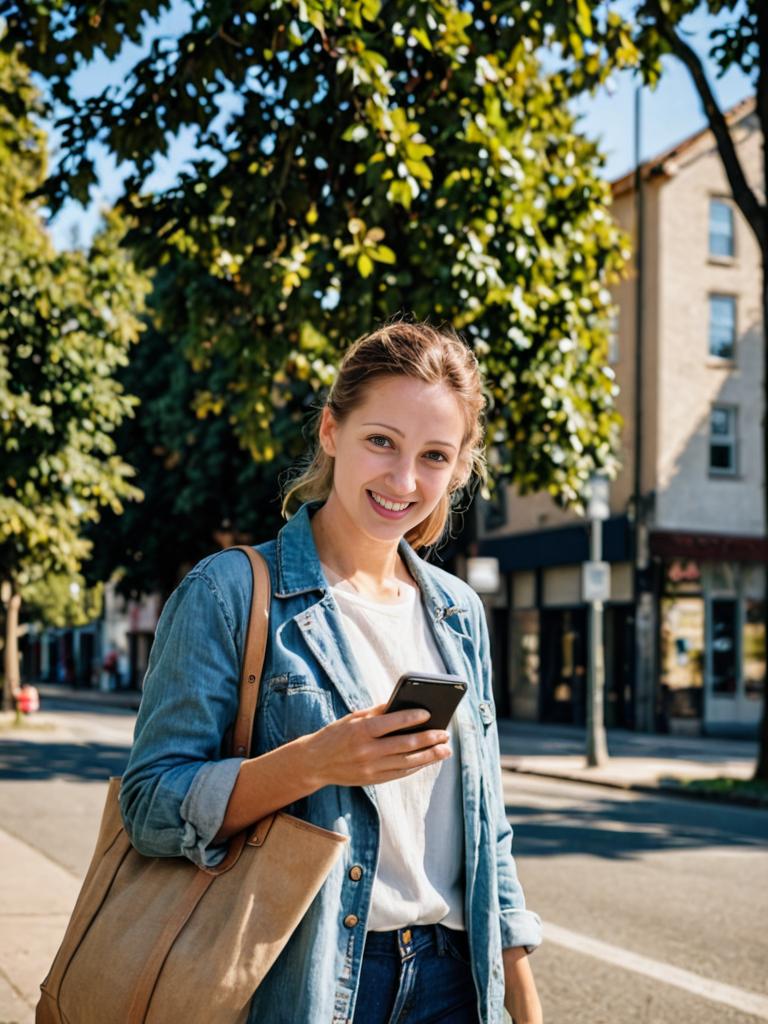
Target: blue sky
(669,114)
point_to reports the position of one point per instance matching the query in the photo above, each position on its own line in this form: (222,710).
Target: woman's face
(401,447)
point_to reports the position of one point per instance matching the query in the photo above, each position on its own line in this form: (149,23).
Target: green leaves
(67,322)
(367,159)
(366,249)
(584,17)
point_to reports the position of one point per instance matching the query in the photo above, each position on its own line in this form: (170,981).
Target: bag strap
(254,651)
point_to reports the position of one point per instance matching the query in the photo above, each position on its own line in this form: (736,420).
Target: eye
(377,437)
(441,457)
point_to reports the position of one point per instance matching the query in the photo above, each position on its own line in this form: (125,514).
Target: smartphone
(439,694)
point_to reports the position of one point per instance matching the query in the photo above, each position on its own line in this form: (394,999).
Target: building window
(722,440)
(725,652)
(722,326)
(721,243)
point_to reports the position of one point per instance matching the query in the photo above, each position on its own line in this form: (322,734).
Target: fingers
(402,765)
(412,741)
(381,724)
(416,758)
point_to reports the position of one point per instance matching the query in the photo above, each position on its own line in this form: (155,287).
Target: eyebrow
(394,430)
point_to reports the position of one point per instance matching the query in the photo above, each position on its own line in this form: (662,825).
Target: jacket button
(355,872)
(351,920)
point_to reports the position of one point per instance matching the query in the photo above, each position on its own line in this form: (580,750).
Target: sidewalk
(36,896)
(645,762)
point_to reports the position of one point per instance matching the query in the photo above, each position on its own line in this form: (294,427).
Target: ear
(327,431)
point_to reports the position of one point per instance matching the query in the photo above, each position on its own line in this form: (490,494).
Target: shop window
(754,648)
(725,654)
(525,667)
(682,655)
(721,234)
(722,440)
(722,326)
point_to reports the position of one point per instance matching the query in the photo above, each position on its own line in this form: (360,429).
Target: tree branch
(743,195)
(762,105)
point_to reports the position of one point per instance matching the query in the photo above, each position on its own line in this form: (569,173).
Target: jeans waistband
(404,943)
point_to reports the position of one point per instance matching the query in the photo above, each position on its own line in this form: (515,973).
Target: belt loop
(439,939)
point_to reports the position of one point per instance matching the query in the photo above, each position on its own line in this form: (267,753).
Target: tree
(66,323)
(201,488)
(352,161)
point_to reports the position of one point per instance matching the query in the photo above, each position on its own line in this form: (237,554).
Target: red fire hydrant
(28,699)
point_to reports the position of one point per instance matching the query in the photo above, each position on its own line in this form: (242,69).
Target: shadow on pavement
(81,762)
(628,830)
(524,740)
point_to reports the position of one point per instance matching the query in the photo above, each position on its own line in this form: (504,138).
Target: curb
(665,789)
(95,698)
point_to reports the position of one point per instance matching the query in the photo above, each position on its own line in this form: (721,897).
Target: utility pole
(644,607)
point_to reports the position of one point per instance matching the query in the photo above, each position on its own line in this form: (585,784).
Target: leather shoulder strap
(254,650)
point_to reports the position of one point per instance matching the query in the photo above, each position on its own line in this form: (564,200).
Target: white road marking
(737,998)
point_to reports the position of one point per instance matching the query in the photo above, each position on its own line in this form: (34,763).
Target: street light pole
(596,590)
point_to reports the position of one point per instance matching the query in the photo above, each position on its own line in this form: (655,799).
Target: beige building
(702,554)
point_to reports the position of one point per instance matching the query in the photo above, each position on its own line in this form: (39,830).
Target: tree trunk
(761,769)
(12,679)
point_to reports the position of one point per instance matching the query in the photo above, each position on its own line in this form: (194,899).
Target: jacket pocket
(293,706)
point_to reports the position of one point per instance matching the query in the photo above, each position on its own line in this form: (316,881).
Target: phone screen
(439,694)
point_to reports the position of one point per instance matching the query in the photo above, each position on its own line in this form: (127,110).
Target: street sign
(483,575)
(599,506)
(596,581)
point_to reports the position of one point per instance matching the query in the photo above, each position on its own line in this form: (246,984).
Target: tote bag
(158,940)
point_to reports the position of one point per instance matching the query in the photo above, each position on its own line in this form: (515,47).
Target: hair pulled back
(418,350)
(426,353)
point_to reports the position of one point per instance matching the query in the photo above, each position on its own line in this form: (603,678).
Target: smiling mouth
(391,506)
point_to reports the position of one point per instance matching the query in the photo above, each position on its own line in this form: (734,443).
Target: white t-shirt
(420,876)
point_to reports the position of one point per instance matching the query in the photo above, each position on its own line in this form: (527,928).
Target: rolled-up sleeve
(519,926)
(177,785)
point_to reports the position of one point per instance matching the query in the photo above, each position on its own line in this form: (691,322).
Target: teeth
(391,505)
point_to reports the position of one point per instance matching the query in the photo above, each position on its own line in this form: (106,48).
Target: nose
(401,479)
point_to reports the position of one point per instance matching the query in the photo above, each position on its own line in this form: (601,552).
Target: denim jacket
(178,782)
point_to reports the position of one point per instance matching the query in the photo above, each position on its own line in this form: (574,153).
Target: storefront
(712,646)
(541,651)
(549,647)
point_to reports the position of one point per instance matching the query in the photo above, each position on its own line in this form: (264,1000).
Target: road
(654,908)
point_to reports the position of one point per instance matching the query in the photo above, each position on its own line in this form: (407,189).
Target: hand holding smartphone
(439,694)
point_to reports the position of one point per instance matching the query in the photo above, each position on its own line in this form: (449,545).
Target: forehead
(412,404)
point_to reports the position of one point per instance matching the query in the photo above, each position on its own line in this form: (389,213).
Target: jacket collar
(299,570)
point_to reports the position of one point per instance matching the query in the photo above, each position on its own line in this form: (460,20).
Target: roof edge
(664,164)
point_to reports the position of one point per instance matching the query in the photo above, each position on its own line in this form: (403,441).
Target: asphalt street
(654,908)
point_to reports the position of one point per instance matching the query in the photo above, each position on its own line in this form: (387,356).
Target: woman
(425,920)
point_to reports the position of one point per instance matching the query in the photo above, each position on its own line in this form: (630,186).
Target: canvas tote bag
(156,940)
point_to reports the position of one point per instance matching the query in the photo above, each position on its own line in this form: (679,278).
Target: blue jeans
(416,975)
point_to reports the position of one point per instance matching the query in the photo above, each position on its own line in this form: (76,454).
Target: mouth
(395,509)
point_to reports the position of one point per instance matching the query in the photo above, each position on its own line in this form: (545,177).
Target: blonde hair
(418,350)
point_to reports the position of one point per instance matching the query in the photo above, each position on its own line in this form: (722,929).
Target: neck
(353,555)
